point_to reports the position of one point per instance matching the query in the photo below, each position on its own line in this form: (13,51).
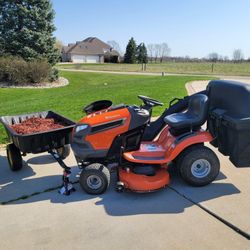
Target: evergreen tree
(26,29)
(142,55)
(130,54)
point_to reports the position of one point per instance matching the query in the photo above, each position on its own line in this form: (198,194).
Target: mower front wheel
(14,157)
(199,166)
(95,178)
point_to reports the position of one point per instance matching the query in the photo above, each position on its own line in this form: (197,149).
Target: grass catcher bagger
(123,138)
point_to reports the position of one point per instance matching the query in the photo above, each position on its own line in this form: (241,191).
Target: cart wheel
(95,178)
(14,157)
(64,151)
(199,166)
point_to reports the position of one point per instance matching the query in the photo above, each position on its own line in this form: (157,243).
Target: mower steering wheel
(149,101)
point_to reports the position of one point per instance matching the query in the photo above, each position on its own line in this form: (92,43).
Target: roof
(112,53)
(89,46)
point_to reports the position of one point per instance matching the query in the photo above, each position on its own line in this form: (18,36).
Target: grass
(242,69)
(88,87)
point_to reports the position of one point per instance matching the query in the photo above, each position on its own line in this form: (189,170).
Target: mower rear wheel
(95,178)
(180,157)
(14,157)
(199,166)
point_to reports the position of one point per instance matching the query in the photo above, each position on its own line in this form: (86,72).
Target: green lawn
(170,67)
(88,87)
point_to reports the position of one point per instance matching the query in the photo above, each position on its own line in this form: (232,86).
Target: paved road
(240,78)
(178,217)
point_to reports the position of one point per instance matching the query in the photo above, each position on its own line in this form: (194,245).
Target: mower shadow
(128,203)
(164,201)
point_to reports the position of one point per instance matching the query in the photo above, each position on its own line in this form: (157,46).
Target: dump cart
(55,141)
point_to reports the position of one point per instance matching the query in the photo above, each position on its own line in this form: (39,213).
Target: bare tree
(238,55)
(150,48)
(115,45)
(164,51)
(213,57)
(59,44)
(157,49)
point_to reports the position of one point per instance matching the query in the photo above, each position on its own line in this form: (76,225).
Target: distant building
(90,50)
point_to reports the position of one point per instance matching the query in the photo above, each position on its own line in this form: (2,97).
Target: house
(90,50)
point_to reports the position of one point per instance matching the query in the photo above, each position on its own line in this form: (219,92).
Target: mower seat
(193,118)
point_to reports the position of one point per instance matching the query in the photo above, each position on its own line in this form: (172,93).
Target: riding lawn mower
(123,139)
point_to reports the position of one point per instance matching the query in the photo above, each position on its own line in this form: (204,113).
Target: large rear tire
(95,179)
(199,166)
(14,157)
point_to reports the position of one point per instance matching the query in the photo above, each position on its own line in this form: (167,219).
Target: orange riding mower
(123,139)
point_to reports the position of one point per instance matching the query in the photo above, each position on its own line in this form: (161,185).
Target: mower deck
(144,183)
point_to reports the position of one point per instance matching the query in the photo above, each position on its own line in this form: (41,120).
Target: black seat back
(198,107)
(192,119)
(155,127)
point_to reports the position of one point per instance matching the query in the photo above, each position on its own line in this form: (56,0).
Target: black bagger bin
(229,119)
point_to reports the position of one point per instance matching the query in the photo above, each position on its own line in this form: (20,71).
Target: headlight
(80,128)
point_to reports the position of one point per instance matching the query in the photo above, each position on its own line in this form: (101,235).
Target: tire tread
(192,154)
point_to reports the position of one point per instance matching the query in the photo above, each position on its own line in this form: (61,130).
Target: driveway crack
(219,218)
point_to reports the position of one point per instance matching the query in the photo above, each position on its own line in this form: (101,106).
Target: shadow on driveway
(41,159)
(124,204)
(7,176)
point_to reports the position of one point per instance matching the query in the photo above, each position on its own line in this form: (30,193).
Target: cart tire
(199,166)
(64,151)
(14,157)
(95,178)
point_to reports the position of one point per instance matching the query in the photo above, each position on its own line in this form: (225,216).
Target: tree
(59,45)
(130,54)
(157,50)
(238,55)
(150,48)
(26,29)
(213,57)
(164,51)
(142,55)
(115,46)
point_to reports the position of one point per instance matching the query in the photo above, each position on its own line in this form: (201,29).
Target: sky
(190,27)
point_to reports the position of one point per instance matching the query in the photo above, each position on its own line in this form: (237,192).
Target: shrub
(54,75)
(15,70)
(38,71)
(4,62)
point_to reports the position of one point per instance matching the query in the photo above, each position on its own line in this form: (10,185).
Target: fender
(183,142)
(167,147)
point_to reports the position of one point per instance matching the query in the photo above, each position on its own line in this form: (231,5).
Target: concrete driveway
(35,216)
(178,217)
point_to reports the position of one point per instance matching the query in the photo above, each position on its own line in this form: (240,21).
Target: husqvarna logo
(112,116)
